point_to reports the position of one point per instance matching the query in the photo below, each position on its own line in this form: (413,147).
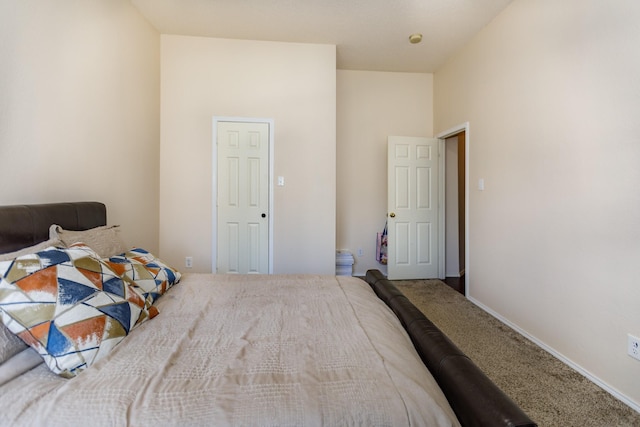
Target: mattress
(294,350)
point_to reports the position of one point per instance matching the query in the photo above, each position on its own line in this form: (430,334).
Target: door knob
(263,215)
(392,215)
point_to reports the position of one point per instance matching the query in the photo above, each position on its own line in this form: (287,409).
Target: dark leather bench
(475,399)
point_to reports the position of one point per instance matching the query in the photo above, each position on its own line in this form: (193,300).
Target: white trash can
(344,263)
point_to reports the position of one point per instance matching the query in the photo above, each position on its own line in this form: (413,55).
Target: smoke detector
(415,38)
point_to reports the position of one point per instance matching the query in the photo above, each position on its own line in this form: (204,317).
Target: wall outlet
(188,262)
(360,252)
(633,347)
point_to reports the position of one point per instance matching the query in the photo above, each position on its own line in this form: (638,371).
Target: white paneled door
(242,197)
(412,208)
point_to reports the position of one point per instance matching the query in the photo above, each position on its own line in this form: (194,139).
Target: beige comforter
(246,350)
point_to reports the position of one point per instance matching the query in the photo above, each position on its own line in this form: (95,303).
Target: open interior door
(413,223)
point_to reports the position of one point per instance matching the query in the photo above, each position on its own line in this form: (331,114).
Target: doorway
(456,187)
(455,211)
(242,196)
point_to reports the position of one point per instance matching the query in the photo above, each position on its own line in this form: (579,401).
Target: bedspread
(294,350)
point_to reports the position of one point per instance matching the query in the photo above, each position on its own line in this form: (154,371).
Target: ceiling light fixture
(415,38)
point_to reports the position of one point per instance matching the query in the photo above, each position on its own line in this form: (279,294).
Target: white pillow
(10,345)
(20,363)
(105,240)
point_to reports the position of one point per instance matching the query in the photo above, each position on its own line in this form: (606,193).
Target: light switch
(281,181)
(481,184)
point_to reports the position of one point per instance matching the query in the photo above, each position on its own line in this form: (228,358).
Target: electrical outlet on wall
(188,262)
(633,346)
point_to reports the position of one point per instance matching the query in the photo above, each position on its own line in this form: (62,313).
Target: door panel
(243,198)
(401,186)
(413,208)
(403,243)
(423,185)
(232,246)
(423,257)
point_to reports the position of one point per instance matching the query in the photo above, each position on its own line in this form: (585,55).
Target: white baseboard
(381,267)
(591,377)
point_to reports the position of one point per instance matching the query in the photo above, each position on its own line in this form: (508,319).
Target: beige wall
(293,84)
(79,116)
(371,106)
(552,94)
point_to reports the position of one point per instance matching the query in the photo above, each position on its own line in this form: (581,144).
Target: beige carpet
(549,391)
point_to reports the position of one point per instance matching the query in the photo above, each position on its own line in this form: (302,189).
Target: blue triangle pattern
(52,257)
(114,286)
(57,343)
(70,292)
(121,312)
(171,277)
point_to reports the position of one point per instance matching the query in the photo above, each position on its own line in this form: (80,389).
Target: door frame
(214,198)
(442,136)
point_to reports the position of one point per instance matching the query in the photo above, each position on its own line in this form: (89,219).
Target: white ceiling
(369,34)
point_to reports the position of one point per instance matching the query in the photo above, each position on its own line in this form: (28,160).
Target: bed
(205,349)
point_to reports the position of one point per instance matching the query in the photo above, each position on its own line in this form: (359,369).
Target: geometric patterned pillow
(149,273)
(68,305)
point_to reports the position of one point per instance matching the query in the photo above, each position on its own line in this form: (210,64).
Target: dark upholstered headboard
(25,225)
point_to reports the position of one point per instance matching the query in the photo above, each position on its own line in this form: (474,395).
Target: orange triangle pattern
(41,281)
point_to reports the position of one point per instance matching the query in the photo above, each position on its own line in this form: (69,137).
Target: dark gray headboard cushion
(25,225)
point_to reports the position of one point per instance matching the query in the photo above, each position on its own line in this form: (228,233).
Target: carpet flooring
(550,392)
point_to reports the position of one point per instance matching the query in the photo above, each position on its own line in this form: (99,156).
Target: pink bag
(381,246)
